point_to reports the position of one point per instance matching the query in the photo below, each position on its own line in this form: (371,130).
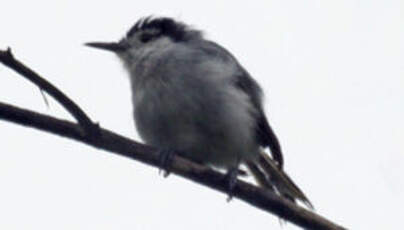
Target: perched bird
(190,95)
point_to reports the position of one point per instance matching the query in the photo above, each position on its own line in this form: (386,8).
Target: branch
(7,58)
(109,141)
(123,146)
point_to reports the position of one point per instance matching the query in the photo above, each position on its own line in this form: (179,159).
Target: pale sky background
(334,82)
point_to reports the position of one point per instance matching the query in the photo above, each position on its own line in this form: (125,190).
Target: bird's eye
(146,37)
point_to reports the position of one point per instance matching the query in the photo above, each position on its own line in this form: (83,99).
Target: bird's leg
(231,180)
(165,160)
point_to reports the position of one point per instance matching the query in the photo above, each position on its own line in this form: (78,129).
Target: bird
(191,96)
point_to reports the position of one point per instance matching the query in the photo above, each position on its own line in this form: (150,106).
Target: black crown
(178,31)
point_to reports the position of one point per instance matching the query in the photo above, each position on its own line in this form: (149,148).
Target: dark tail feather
(269,175)
(259,176)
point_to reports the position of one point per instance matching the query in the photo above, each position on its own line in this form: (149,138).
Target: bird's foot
(231,180)
(165,160)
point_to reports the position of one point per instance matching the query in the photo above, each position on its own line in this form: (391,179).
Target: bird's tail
(270,176)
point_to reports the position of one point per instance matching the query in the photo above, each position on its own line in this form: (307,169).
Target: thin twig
(90,128)
(107,140)
(44,98)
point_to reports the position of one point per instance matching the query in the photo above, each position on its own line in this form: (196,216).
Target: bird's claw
(231,180)
(165,160)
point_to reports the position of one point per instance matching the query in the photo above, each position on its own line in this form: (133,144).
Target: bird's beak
(110,46)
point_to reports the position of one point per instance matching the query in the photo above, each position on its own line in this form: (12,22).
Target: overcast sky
(333,76)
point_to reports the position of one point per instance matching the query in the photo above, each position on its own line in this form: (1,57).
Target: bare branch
(7,58)
(107,140)
(104,139)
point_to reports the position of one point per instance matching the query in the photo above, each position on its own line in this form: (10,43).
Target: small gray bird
(191,96)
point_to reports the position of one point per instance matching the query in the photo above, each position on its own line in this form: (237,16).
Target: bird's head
(149,34)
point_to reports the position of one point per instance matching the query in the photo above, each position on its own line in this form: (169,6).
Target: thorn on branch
(8,52)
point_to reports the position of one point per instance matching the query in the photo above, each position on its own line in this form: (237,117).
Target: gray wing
(264,133)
